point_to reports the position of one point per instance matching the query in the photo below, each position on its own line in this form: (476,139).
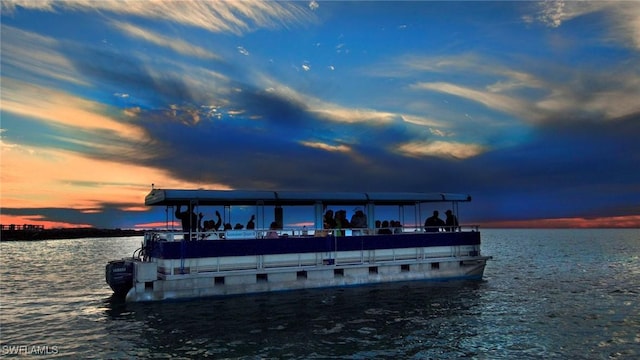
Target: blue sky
(530,107)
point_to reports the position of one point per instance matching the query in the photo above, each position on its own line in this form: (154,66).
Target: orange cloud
(327,147)
(45,178)
(158,225)
(54,106)
(440,149)
(632,221)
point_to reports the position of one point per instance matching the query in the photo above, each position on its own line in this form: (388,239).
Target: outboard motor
(119,276)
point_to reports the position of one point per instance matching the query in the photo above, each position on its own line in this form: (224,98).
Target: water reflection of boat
(202,262)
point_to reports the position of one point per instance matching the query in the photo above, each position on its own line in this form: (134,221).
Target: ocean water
(546,294)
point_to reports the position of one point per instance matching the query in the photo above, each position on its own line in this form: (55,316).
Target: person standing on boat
(451,221)
(189,219)
(341,222)
(359,219)
(329,221)
(434,223)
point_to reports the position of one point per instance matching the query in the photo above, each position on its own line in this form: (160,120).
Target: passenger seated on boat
(384,230)
(238,226)
(451,221)
(434,223)
(272,233)
(396,226)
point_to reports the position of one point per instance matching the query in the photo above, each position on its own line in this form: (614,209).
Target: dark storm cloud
(567,168)
(268,151)
(257,141)
(258,146)
(564,168)
(270,107)
(116,71)
(237,152)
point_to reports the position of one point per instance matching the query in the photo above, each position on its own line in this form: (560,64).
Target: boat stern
(119,276)
(129,276)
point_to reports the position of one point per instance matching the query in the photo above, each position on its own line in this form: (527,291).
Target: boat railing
(260,262)
(237,234)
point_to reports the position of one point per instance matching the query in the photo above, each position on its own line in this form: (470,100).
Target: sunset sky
(533,108)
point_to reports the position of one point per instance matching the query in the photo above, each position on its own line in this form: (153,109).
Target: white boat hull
(154,283)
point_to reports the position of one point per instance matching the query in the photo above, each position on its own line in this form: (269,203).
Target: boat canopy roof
(253,197)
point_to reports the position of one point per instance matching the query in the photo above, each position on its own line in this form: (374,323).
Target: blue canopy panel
(253,197)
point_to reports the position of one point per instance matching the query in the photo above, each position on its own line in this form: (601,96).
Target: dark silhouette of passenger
(384,228)
(341,222)
(359,219)
(397,226)
(434,223)
(329,221)
(272,233)
(190,221)
(251,224)
(451,221)
(238,226)
(210,225)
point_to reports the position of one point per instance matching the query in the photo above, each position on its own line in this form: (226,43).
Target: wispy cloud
(491,100)
(177,45)
(422,121)
(624,17)
(57,107)
(35,57)
(583,92)
(345,115)
(600,97)
(236,17)
(326,110)
(327,147)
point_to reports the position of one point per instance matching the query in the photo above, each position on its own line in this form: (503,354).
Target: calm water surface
(547,293)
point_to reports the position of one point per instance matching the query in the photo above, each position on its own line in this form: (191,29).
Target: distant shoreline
(69,233)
